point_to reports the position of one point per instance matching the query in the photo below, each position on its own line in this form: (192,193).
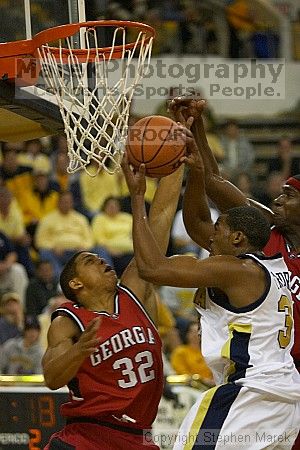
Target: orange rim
(63,31)
(11,51)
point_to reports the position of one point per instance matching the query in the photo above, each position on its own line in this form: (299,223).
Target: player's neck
(100,302)
(293,239)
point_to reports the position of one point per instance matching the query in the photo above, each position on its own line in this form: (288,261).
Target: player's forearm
(196,213)
(223,194)
(60,367)
(164,206)
(147,251)
(210,163)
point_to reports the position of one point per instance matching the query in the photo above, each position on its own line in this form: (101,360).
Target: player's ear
(75,283)
(238,237)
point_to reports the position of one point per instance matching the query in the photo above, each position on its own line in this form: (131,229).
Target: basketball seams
(161,145)
(132,154)
(177,157)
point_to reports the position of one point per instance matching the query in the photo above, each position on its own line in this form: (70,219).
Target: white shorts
(231,417)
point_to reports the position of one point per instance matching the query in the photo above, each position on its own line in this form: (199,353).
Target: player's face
(221,242)
(93,271)
(286,208)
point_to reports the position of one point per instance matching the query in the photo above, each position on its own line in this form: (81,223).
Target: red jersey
(276,244)
(125,375)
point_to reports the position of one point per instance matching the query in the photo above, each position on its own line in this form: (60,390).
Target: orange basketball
(156,142)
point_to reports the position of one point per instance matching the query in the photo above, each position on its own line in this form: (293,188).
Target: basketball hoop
(94,102)
(95,117)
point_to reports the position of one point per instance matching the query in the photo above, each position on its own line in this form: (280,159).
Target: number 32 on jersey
(131,375)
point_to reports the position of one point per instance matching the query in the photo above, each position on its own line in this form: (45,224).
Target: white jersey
(250,346)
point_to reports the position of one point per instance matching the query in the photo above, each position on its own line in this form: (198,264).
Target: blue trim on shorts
(214,419)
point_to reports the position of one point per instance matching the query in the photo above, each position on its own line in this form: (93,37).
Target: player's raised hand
(186,106)
(193,157)
(136,180)
(88,341)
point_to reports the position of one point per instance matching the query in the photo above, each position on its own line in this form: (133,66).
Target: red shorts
(91,436)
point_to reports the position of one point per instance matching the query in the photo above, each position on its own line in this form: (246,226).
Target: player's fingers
(142,170)
(185,132)
(189,122)
(93,326)
(200,104)
(183,101)
(180,116)
(125,163)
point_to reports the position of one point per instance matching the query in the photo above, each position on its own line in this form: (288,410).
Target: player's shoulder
(62,327)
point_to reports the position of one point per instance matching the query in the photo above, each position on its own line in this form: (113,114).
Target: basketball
(156,142)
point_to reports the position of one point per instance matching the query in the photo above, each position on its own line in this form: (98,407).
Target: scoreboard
(29,415)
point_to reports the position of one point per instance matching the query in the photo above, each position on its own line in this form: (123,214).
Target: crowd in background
(46,215)
(182,26)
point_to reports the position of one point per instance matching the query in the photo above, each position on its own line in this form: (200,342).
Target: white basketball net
(95,118)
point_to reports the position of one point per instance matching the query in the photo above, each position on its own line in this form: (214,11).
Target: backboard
(28,113)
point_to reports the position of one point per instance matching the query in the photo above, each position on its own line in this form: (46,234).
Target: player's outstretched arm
(223,193)
(200,230)
(162,211)
(67,349)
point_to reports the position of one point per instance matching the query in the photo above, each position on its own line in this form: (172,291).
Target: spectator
(62,232)
(16,178)
(23,355)
(11,224)
(33,155)
(95,190)
(188,359)
(13,276)
(180,303)
(241,26)
(285,161)
(213,139)
(11,319)
(167,327)
(239,153)
(272,190)
(41,288)
(124,193)
(60,176)
(40,200)
(244,182)
(112,231)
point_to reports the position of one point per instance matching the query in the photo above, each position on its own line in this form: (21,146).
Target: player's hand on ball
(135,179)
(88,341)
(193,157)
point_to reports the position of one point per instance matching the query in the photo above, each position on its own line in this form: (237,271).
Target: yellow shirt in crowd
(64,231)
(34,208)
(12,225)
(114,233)
(189,360)
(94,190)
